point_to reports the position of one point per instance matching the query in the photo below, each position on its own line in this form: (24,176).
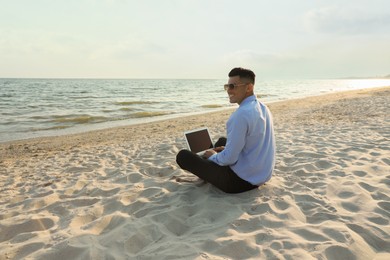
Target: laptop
(198,140)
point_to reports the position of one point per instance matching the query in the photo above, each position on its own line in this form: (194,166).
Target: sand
(118,193)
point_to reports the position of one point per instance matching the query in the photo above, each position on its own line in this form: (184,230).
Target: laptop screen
(198,140)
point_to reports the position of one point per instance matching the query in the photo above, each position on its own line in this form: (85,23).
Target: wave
(263,95)
(148,114)
(6,95)
(212,106)
(83,97)
(38,117)
(79,119)
(126,109)
(59,127)
(56,122)
(129,103)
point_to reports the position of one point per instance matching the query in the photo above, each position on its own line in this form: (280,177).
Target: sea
(32,108)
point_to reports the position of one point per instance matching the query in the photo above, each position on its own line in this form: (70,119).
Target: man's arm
(236,136)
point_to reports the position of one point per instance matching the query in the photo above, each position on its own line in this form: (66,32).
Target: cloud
(344,20)
(262,60)
(118,50)
(268,65)
(253,57)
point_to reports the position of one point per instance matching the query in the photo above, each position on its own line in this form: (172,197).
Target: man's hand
(219,149)
(210,152)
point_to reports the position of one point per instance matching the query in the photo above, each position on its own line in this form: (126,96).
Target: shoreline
(118,193)
(103,135)
(41,129)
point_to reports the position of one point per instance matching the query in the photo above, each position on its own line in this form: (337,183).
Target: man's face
(240,91)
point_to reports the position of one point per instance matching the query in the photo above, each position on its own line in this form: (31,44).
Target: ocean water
(44,107)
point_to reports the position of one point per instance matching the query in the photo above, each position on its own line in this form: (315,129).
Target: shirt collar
(249,99)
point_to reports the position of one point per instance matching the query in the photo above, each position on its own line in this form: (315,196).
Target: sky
(278,39)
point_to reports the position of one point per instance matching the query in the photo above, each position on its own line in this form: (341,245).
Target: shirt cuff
(213,158)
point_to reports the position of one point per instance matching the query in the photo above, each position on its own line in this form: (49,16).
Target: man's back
(250,148)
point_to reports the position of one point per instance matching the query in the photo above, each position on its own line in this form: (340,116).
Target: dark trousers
(222,177)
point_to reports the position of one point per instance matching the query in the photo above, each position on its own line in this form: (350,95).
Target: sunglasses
(232,86)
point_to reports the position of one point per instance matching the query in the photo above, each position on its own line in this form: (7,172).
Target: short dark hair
(243,74)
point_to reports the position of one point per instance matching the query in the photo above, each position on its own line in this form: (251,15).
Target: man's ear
(250,88)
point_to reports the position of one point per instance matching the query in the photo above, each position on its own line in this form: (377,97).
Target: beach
(119,194)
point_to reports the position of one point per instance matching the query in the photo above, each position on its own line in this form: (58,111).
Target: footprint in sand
(142,238)
(31,225)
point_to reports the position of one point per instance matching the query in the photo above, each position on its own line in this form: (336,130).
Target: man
(246,159)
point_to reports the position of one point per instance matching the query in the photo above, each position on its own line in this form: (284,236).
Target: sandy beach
(119,194)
